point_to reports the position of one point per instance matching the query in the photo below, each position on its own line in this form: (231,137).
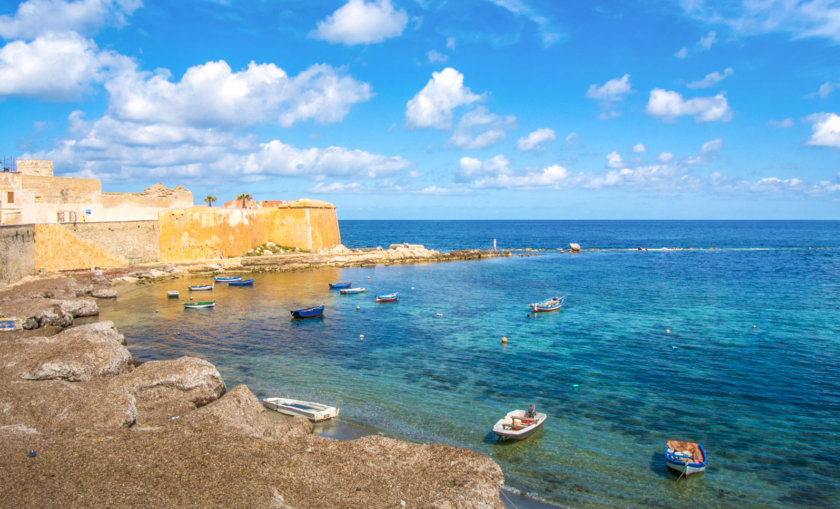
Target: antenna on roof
(9,164)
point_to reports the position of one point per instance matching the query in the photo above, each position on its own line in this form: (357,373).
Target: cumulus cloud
(573,140)
(615,89)
(535,139)
(614,160)
(639,148)
(261,93)
(708,152)
(665,157)
(121,150)
(436,58)
(361,22)
(785,123)
(826,130)
(471,169)
(432,106)
(38,17)
(668,105)
(704,44)
(480,129)
(711,79)
(56,67)
(825,90)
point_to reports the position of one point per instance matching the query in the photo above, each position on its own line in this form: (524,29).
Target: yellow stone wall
(57,249)
(203,233)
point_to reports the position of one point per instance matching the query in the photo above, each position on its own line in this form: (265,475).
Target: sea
(725,333)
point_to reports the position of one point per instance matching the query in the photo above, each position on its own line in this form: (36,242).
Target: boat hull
(548,305)
(199,305)
(201,288)
(516,425)
(680,463)
(315,412)
(227,279)
(352,291)
(391,297)
(242,282)
(313,312)
(340,285)
(172,293)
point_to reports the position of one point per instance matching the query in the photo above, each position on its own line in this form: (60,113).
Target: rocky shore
(84,424)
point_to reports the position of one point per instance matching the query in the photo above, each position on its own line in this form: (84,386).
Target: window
(10,197)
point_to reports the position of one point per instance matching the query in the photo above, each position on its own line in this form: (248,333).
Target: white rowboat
(312,411)
(517,425)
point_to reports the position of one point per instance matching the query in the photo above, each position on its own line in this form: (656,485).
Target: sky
(438,109)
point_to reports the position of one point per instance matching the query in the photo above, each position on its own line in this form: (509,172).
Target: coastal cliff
(82,423)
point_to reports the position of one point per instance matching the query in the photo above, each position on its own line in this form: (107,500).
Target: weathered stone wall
(58,249)
(210,233)
(41,167)
(17,253)
(42,198)
(136,241)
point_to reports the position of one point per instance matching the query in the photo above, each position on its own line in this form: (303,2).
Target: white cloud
(816,18)
(38,17)
(261,93)
(614,160)
(535,139)
(545,178)
(826,130)
(682,53)
(711,79)
(708,152)
(639,148)
(784,123)
(55,67)
(705,42)
(549,34)
(573,140)
(360,22)
(668,105)
(336,187)
(665,157)
(450,43)
(615,89)
(493,129)
(436,58)
(470,168)
(433,105)
(825,90)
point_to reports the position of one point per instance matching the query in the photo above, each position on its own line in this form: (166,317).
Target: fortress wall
(43,197)
(136,241)
(212,233)
(17,253)
(41,167)
(57,249)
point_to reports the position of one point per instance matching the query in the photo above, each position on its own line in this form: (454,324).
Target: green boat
(199,305)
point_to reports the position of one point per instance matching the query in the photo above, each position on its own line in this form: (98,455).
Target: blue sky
(427,109)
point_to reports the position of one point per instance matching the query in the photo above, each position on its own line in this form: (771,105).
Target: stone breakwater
(83,424)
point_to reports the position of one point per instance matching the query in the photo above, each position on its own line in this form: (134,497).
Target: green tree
(244,197)
(210,199)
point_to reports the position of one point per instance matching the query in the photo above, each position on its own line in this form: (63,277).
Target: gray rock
(189,378)
(104,293)
(78,307)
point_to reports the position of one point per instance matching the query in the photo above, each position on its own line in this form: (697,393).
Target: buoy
(361,337)
(368,277)
(754,326)
(439,315)
(575,386)
(504,340)
(358,308)
(668,331)
(412,288)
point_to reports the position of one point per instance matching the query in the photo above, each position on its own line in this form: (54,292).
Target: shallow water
(764,400)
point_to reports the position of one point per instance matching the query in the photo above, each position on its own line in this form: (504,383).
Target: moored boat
(352,291)
(388,297)
(686,457)
(343,284)
(312,411)
(10,324)
(226,279)
(201,288)
(200,305)
(172,293)
(552,304)
(241,282)
(519,424)
(308,312)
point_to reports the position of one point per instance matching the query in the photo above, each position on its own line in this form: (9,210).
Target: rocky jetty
(83,424)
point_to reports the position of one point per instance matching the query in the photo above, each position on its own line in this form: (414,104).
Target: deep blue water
(735,344)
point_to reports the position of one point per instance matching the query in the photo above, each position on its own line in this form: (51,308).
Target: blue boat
(308,312)
(686,457)
(242,282)
(352,291)
(201,288)
(552,304)
(221,279)
(388,297)
(343,284)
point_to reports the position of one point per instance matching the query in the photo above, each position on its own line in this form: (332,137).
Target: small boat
(308,312)
(226,279)
(388,297)
(352,291)
(519,424)
(686,457)
(200,305)
(172,293)
(344,284)
(312,411)
(10,324)
(242,282)
(552,304)
(201,288)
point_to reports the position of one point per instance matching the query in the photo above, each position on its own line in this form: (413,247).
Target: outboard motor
(532,410)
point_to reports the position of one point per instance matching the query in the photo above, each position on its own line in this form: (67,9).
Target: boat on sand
(312,411)
(519,424)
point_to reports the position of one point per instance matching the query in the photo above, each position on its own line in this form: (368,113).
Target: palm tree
(244,197)
(210,199)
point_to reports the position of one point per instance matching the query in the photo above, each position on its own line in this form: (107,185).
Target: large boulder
(574,247)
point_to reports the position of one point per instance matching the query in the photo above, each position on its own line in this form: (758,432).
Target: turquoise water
(749,368)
